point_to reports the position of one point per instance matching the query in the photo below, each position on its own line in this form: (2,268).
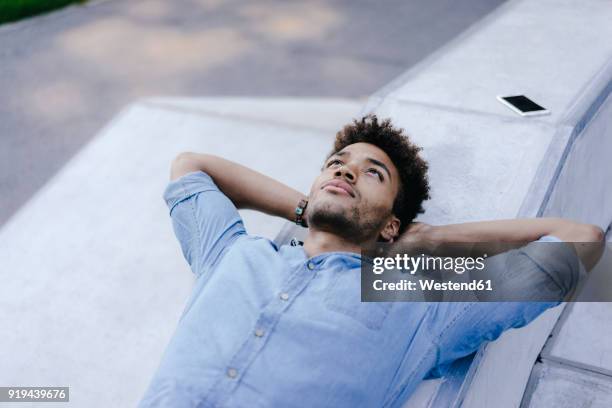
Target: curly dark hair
(414,186)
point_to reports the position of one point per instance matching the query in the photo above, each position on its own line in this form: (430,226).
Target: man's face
(354,194)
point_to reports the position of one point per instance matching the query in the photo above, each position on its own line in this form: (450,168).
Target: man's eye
(335,161)
(378,173)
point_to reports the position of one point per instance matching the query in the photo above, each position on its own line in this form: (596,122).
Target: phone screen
(523,103)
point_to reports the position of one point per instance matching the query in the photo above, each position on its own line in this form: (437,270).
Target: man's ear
(391,230)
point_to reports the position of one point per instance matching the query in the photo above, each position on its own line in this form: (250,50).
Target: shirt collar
(349,259)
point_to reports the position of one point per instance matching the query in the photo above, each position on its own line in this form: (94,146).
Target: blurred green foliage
(13,10)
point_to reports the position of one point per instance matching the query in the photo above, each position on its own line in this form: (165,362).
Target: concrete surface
(559,387)
(549,50)
(64,75)
(571,344)
(93,279)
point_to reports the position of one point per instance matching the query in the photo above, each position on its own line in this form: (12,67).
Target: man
(270,326)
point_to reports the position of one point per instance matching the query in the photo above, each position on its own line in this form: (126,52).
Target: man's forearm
(245,187)
(501,235)
(515,230)
(519,230)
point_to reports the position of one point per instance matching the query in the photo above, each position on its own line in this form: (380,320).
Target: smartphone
(523,105)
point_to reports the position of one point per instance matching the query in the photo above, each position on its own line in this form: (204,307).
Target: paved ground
(64,75)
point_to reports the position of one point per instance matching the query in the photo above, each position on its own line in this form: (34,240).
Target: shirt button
(232,373)
(284,296)
(311,266)
(259,332)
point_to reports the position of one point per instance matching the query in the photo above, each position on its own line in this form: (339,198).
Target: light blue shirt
(266,326)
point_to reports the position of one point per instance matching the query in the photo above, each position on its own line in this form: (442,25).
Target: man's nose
(346,172)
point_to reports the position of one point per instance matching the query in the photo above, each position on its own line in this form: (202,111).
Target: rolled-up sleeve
(544,270)
(205,221)
(559,261)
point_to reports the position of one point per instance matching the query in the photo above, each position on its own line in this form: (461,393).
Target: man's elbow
(591,233)
(589,244)
(572,231)
(183,163)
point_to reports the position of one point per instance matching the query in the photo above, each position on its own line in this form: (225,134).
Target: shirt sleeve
(543,274)
(544,270)
(205,221)
(469,325)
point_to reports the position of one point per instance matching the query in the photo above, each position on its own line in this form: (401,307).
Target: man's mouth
(340,187)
